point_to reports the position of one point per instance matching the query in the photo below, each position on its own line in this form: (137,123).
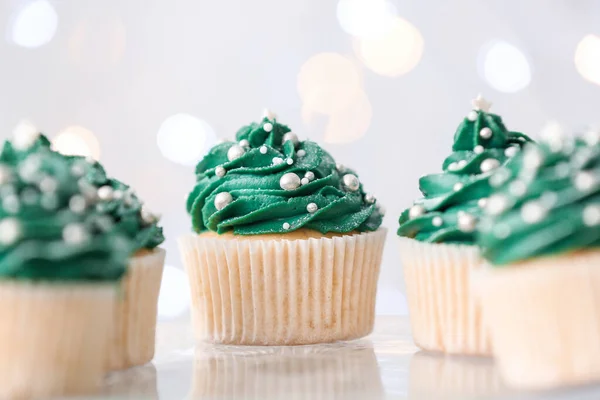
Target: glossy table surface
(385,365)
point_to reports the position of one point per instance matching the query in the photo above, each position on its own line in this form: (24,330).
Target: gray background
(120,68)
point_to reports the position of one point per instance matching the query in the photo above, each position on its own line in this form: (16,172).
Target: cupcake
(437,236)
(286,246)
(540,288)
(134,333)
(60,274)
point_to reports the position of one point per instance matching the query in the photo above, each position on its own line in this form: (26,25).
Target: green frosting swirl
(270,182)
(548,203)
(452,201)
(52,225)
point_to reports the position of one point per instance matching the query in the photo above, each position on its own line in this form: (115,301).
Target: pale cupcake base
(444,315)
(439,376)
(279,372)
(279,290)
(133,337)
(53,338)
(544,319)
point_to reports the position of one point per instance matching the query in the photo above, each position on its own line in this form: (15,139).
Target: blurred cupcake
(133,339)
(438,233)
(287,246)
(540,293)
(60,271)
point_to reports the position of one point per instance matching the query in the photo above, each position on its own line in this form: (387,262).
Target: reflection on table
(303,372)
(138,382)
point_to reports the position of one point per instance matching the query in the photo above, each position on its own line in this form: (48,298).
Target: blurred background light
(366,18)
(504,67)
(350,124)
(33,25)
(395,53)
(174,298)
(77,141)
(328,82)
(587,58)
(98,42)
(185,139)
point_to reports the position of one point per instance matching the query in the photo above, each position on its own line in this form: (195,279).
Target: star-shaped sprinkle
(481,104)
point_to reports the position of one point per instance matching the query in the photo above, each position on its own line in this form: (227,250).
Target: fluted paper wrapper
(274,292)
(133,337)
(336,371)
(544,319)
(53,338)
(444,314)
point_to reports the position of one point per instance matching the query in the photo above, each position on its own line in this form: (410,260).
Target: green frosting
(52,225)
(548,203)
(269,182)
(452,201)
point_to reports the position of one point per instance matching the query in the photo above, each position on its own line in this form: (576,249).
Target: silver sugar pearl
(489,164)
(309,175)
(533,212)
(304,181)
(105,193)
(416,211)
(77,204)
(222,200)
(591,215)
(291,136)
(467,222)
(268,127)
(485,133)
(289,181)
(10,231)
(75,233)
(351,182)
(369,198)
(312,207)
(289,161)
(235,152)
(220,171)
(286,226)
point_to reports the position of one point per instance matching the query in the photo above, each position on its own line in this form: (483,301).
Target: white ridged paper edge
(445,316)
(269,292)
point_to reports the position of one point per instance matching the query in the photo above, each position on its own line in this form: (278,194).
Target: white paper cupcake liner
(544,319)
(270,292)
(315,372)
(444,315)
(133,337)
(53,338)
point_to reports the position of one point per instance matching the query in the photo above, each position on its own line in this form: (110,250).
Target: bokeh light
(77,141)
(351,123)
(587,58)
(395,53)
(366,18)
(174,298)
(185,139)
(98,43)
(504,67)
(328,82)
(33,25)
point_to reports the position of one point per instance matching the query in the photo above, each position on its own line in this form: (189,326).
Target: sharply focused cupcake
(438,234)
(134,333)
(60,271)
(541,290)
(286,246)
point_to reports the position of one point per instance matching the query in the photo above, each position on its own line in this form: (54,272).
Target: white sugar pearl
(466,222)
(416,211)
(453,166)
(263,150)
(496,204)
(312,207)
(369,198)
(462,163)
(244,143)
(75,233)
(48,184)
(340,167)
(24,139)
(147,216)
(478,149)
(482,203)
(489,164)
(472,116)
(77,204)
(585,181)
(286,226)
(222,199)
(511,151)
(277,160)
(291,136)
(304,181)
(301,153)
(268,127)
(235,152)
(10,231)
(437,221)
(309,175)
(532,159)
(289,181)
(485,133)
(517,188)
(289,161)
(351,182)
(105,193)
(591,215)
(499,178)
(220,171)
(533,212)
(457,186)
